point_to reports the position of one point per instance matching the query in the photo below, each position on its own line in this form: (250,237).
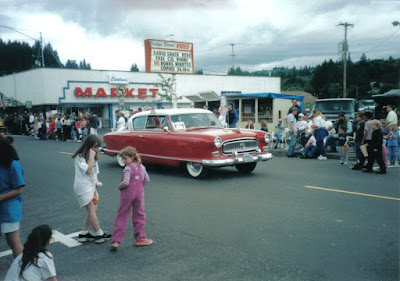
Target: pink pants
(131,199)
(385,155)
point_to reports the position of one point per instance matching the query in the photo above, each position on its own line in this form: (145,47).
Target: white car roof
(172,111)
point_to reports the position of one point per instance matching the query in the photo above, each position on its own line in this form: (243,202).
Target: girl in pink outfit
(132,198)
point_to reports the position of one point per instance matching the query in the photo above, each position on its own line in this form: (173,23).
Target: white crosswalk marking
(65,239)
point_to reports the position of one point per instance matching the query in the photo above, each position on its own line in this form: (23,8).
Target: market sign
(169,56)
(103,92)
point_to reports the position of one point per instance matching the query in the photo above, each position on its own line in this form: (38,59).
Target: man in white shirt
(392,116)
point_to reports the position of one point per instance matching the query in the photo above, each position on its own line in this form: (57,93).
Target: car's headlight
(267,138)
(217,142)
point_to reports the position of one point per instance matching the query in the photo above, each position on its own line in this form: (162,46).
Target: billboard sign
(169,56)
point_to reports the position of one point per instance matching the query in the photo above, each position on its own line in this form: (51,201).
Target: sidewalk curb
(283,153)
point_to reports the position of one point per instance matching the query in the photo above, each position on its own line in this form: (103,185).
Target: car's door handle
(140,136)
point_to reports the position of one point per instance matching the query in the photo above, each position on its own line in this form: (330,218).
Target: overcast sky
(110,34)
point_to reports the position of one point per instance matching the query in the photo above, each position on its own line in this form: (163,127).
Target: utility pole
(42,48)
(345,57)
(233,65)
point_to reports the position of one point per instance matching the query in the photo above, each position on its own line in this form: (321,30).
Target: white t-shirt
(301,125)
(329,124)
(318,121)
(392,117)
(45,270)
(121,122)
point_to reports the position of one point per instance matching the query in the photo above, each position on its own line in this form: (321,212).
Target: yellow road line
(69,153)
(350,192)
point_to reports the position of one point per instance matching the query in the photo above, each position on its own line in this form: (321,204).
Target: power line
(14,29)
(383,41)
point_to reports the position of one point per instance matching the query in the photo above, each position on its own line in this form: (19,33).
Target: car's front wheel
(196,170)
(120,161)
(246,168)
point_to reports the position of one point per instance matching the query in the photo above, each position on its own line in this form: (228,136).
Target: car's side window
(156,123)
(139,123)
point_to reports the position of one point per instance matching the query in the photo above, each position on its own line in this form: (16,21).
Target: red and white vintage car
(190,137)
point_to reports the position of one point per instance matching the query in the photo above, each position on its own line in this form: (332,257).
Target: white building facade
(106,92)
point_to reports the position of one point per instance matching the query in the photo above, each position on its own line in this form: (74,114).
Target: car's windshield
(327,107)
(194,120)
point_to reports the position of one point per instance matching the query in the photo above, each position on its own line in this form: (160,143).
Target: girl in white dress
(85,188)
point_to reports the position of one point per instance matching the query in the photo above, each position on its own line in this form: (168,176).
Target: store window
(248,109)
(265,110)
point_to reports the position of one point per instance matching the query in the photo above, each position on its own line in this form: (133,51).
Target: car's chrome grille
(240,146)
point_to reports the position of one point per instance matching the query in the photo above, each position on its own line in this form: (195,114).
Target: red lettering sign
(142,93)
(78,91)
(129,93)
(182,46)
(113,92)
(154,91)
(101,93)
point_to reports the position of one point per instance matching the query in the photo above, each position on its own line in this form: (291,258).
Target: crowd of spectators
(59,127)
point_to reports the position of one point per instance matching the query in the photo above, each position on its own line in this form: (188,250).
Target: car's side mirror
(166,129)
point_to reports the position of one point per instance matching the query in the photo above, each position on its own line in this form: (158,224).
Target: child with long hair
(11,187)
(85,188)
(35,262)
(132,198)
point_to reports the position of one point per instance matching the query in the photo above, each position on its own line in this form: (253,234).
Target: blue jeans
(309,150)
(321,147)
(292,143)
(343,159)
(278,137)
(233,125)
(393,153)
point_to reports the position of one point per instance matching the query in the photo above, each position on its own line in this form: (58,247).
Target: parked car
(331,108)
(190,137)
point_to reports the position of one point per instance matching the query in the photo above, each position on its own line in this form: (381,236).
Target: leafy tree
(170,84)
(199,71)
(134,68)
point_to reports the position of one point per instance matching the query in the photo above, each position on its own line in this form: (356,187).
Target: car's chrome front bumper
(237,160)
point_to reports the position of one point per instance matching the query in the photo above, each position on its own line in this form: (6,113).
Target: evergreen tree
(134,68)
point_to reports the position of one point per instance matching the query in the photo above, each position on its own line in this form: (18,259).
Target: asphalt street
(291,219)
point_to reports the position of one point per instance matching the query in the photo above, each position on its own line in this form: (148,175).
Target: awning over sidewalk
(266,95)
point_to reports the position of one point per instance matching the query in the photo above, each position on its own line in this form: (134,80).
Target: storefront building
(107,92)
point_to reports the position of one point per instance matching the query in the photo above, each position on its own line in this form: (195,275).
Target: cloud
(110,34)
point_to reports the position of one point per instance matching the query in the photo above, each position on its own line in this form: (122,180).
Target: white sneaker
(340,163)
(321,157)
